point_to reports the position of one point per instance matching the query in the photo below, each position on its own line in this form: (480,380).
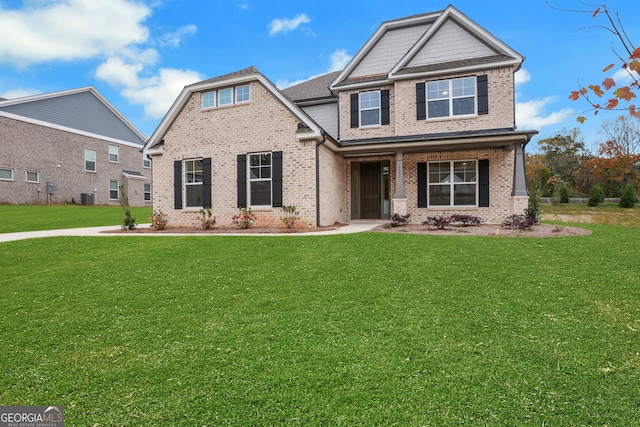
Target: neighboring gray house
(70,146)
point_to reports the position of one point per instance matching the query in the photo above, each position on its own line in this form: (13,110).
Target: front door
(370,190)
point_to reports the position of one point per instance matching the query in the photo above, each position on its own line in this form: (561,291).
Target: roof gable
(82,110)
(425,44)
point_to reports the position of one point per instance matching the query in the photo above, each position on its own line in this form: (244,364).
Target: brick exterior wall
(262,124)
(333,187)
(402,106)
(58,156)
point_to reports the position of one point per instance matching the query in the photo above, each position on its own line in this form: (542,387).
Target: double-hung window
(113,153)
(260,179)
(449,98)
(193,179)
(147,192)
(90,160)
(453,183)
(146,161)
(370,108)
(113,190)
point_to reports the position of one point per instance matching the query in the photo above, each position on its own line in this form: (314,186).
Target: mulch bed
(542,230)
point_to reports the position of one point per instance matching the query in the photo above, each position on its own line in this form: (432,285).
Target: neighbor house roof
(83,110)
(312,89)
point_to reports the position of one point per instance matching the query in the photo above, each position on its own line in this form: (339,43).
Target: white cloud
(19,93)
(285,25)
(174,39)
(622,77)
(522,76)
(531,114)
(70,29)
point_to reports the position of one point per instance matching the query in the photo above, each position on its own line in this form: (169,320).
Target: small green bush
(533,208)
(628,197)
(596,196)
(564,193)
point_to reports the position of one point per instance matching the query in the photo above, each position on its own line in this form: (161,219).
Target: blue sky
(140,54)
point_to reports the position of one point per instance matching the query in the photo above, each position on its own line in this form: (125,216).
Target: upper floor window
(33,176)
(209,99)
(225,96)
(6,174)
(370,108)
(449,98)
(90,160)
(242,93)
(147,192)
(146,161)
(113,153)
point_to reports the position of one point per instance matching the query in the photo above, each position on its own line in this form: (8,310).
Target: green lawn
(15,218)
(370,329)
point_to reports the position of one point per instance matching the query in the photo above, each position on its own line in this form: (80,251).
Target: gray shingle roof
(244,72)
(311,89)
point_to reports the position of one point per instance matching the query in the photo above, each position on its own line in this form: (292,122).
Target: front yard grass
(15,218)
(369,329)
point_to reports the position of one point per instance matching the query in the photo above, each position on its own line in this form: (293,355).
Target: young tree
(620,97)
(565,155)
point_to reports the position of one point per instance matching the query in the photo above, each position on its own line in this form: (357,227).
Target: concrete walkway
(355,227)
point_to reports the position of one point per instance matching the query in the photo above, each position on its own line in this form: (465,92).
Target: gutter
(318,144)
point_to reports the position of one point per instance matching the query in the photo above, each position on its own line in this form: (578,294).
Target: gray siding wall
(82,111)
(326,115)
(58,156)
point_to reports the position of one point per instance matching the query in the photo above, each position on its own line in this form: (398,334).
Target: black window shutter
(422,185)
(355,110)
(242,180)
(206,182)
(483,94)
(177,184)
(276,179)
(384,107)
(421,101)
(483,183)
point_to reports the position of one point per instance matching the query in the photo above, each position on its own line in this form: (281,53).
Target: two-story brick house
(420,121)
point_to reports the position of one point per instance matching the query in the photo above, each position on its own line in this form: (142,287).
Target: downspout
(318,144)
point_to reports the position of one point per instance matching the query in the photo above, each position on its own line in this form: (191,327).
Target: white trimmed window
(209,99)
(193,179)
(453,183)
(370,108)
(90,160)
(449,98)
(113,153)
(260,179)
(147,192)
(225,96)
(242,94)
(146,161)
(6,174)
(33,176)
(113,190)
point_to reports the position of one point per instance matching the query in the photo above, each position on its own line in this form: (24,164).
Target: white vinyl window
(6,174)
(147,192)
(453,183)
(90,160)
(242,93)
(113,190)
(146,162)
(33,176)
(370,108)
(449,98)
(193,183)
(225,96)
(113,153)
(260,179)
(209,99)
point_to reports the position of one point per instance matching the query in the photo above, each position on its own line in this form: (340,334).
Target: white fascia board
(204,86)
(130,176)
(473,68)
(362,85)
(68,129)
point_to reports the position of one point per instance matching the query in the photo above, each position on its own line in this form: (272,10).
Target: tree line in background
(565,167)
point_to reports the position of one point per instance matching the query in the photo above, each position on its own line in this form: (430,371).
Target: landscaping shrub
(398,220)
(128,222)
(206,219)
(465,220)
(290,217)
(596,196)
(564,193)
(159,220)
(518,222)
(439,222)
(628,197)
(244,219)
(534,206)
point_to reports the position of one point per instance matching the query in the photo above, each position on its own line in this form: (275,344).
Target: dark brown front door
(370,190)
